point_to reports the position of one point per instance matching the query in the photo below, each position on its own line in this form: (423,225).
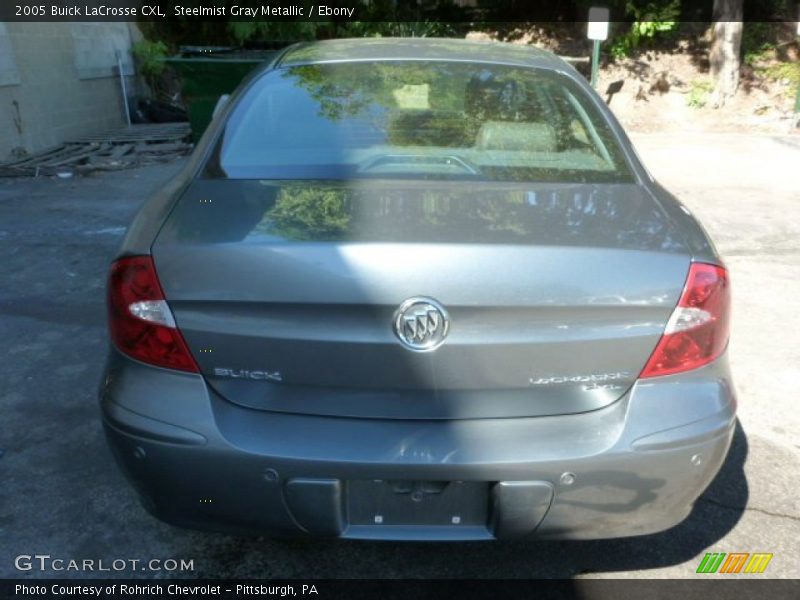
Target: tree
(725,49)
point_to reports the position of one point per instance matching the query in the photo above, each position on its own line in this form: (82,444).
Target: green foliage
(396,29)
(149,58)
(789,71)
(758,42)
(355,89)
(652,20)
(699,93)
(310,213)
(270,31)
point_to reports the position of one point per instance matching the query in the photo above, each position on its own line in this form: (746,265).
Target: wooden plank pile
(132,146)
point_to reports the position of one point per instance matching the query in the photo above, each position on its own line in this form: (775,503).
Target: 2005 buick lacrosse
(418,289)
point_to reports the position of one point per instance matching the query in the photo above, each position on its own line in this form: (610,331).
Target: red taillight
(697,332)
(139,318)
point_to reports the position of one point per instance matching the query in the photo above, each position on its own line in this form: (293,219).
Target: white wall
(9,74)
(58,81)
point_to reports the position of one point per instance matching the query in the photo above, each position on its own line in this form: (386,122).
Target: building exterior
(60,81)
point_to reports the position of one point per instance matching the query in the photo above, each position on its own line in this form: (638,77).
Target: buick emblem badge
(421,323)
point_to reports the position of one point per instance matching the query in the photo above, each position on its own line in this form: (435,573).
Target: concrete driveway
(62,495)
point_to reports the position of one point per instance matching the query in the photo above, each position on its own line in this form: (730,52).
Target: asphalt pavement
(62,495)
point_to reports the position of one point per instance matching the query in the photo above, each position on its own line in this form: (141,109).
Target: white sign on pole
(598,23)
(798,19)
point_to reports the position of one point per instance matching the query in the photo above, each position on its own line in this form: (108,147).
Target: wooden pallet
(149,133)
(117,149)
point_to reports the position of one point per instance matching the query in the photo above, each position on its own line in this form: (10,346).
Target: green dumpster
(207,74)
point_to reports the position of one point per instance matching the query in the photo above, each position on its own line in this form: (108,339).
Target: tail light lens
(140,321)
(698,330)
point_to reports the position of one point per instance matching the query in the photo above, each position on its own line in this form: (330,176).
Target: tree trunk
(725,49)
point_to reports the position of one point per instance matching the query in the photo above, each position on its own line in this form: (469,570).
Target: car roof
(447,49)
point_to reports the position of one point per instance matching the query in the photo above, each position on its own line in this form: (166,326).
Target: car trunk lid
(287,293)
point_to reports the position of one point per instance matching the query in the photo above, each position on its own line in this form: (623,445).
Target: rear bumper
(632,468)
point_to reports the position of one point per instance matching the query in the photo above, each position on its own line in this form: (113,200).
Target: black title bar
(331,10)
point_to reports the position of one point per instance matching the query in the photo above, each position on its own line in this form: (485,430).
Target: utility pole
(597,31)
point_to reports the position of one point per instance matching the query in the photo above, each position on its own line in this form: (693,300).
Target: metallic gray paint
(569,300)
(632,460)
(386,49)
(319,308)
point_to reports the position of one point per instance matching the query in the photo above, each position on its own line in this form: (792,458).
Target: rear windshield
(418,120)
